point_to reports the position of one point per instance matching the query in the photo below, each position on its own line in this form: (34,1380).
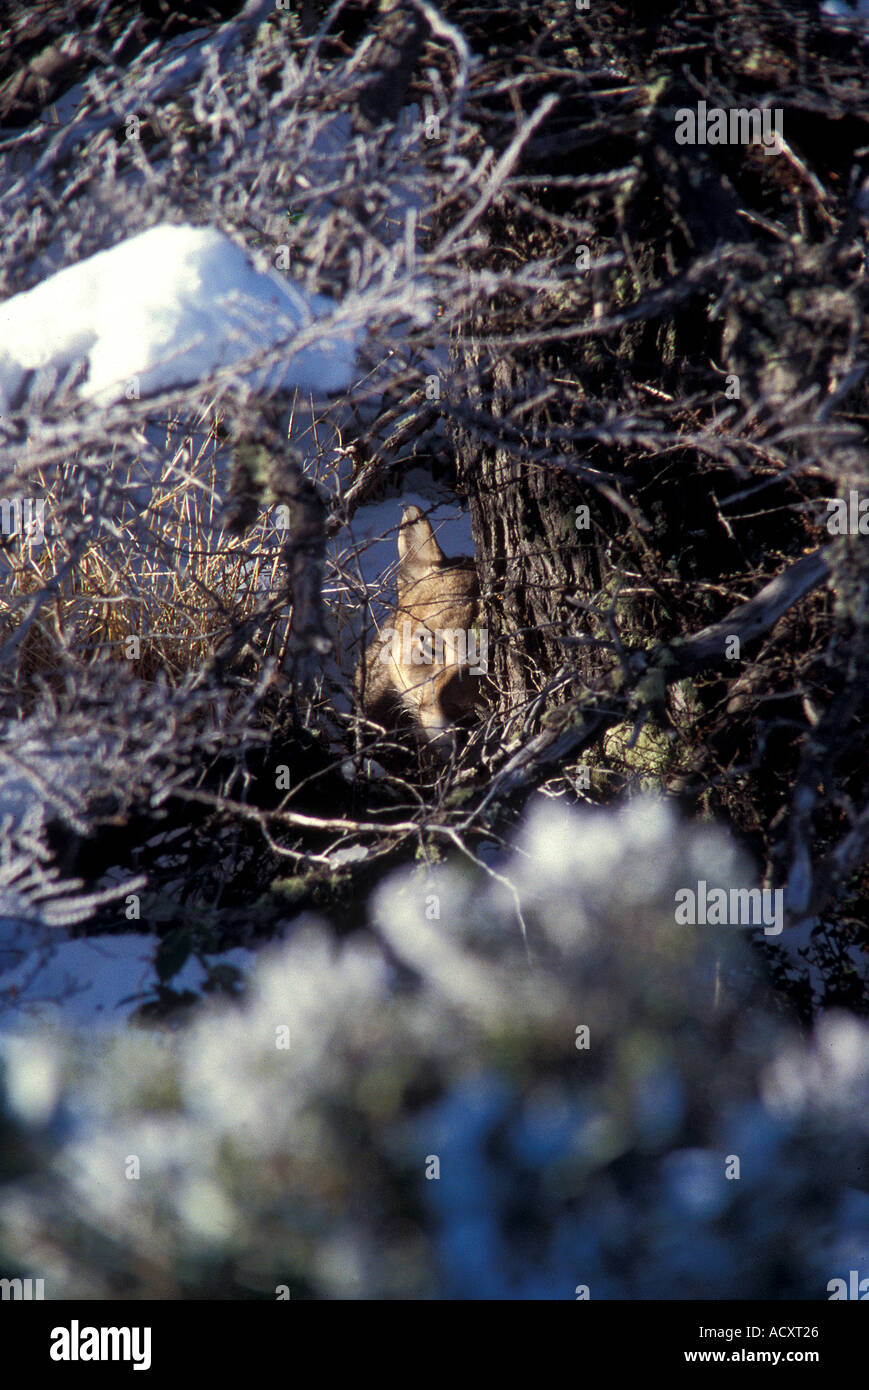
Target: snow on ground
(163,309)
(92,981)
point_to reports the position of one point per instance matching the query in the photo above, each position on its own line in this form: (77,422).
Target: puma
(429,656)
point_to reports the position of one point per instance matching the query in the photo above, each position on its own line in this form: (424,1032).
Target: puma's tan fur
(417,664)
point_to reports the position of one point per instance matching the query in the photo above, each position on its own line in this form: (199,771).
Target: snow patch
(165,309)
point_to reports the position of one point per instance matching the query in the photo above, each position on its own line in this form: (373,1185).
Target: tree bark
(530,555)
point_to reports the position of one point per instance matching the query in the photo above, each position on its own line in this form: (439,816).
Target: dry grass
(156,587)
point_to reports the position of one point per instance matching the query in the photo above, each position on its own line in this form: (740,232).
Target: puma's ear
(416,541)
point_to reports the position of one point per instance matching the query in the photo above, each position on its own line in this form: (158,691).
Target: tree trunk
(530,555)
